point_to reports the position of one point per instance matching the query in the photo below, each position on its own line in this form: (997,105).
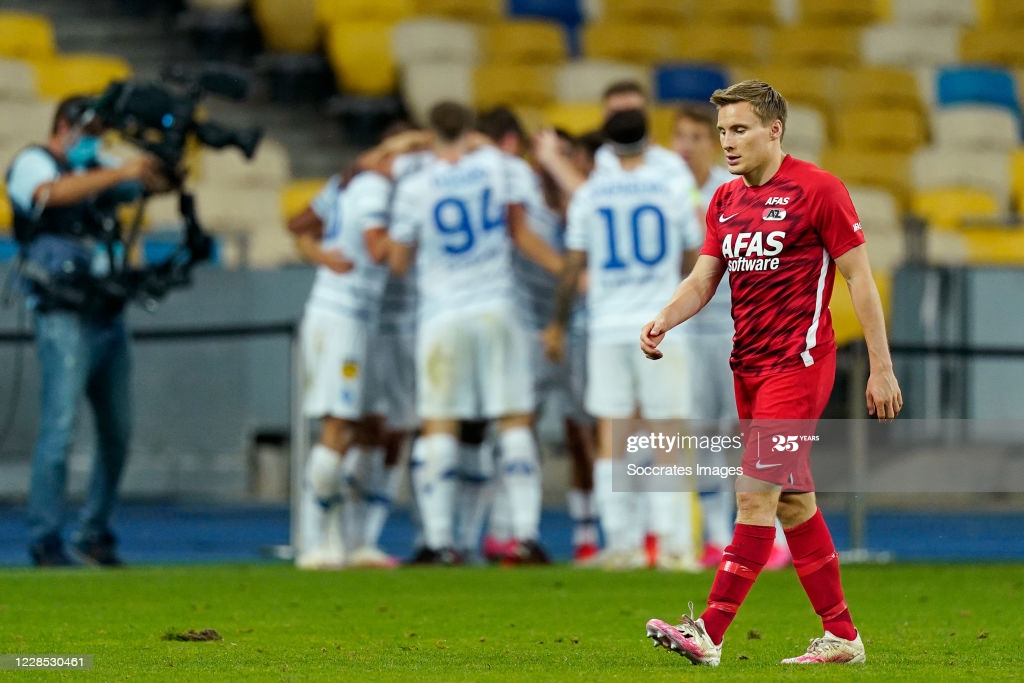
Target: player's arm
(883,395)
(310,249)
(530,243)
(405,223)
(690,296)
(400,257)
(380,157)
(565,294)
(306,222)
(546,152)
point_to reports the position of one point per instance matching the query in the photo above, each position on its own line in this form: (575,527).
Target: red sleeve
(837,220)
(712,244)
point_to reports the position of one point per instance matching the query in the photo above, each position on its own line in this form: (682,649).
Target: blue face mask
(84,152)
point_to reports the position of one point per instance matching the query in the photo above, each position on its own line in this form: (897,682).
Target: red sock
(742,561)
(817,564)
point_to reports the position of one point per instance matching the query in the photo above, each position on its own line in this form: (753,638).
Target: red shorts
(778,415)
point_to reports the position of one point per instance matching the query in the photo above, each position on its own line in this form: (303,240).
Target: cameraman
(64,198)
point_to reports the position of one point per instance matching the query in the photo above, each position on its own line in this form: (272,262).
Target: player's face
(624,101)
(694,142)
(748,144)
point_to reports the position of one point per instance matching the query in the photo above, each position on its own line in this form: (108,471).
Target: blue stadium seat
(977,85)
(688,82)
(568,12)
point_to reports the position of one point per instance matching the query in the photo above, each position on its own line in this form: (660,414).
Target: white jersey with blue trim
(634,226)
(535,293)
(656,156)
(361,206)
(716,316)
(456,214)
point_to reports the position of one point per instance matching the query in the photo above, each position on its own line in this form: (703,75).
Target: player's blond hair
(766,101)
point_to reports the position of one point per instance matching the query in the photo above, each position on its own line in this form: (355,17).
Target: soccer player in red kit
(781,229)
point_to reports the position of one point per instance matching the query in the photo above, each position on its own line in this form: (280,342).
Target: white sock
(583,516)
(520,465)
(500,520)
(640,523)
(476,468)
(719,509)
(322,497)
(434,462)
(355,473)
(671,520)
(617,510)
(382,489)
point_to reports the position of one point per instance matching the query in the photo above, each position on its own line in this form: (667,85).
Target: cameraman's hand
(150,171)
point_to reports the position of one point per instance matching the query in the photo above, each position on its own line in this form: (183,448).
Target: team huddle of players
(458,286)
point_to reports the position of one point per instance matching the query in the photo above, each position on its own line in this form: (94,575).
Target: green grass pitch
(920,622)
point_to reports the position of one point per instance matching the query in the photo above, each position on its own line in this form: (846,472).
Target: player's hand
(545,146)
(336,261)
(583,283)
(884,398)
(553,337)
(652,335)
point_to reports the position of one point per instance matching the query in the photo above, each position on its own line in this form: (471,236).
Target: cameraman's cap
(626,132)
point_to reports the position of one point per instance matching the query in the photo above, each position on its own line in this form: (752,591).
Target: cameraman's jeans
(78,356)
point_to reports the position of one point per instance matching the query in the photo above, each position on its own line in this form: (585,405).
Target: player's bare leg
(324,491)
(521,476)
(817,565)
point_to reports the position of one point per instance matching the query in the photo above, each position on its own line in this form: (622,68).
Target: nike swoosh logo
(722,219)
(759,466)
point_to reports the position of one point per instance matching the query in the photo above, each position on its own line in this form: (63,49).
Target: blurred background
(914,104)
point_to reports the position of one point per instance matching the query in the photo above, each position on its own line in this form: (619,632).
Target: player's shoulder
(811,176)
(369,181)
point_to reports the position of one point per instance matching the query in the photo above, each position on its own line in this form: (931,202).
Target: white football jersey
(456,214)
(535,287)
(634,226)
(665,160)
(362,205)
(716,317)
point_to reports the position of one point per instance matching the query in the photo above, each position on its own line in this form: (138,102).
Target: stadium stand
(953,206)
(17,79)
(910,46)
(584,80)
(361,57)
(26,36)
(800,44)
(501,83)
(64,74)
(674,82)
(841,12)
(645,44)
(980,127)
(338,11)
(287,26)
(881,128)
(525,41)
(933,12)
(646,11)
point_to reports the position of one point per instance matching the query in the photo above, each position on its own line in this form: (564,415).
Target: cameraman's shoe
(49,552)
(98,550)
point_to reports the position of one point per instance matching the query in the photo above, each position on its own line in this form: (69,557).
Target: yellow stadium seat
(78,74)
(661,120)
(736,13)
(954,207)
(26,36)
(647,11)
(1000,12)
(882,128)
(722,43)
(841,12)
(524,42)
(360,54)
(809,85)
(574,118)
(802,44)
(844,319)
(471,10)
(876,86)
(637,43)
(887,170)
(287,25)
(528,85)
(296,195)
(6,213)
(1017,178)
(336,11)
(999,246)
(993,45)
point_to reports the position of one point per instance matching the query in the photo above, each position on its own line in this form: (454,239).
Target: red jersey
(779,242)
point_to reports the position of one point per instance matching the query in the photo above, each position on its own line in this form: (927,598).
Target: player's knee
(755,507)
(472,432)
(795,510)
